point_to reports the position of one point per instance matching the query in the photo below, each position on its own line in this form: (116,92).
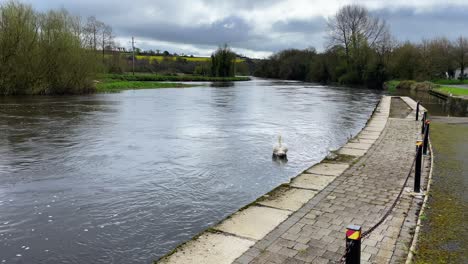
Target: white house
(458,72)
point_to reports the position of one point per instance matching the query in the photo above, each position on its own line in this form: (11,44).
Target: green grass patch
(443,236)
(109,86)
(450,82)
(391,85)
(148,77)
(453,90)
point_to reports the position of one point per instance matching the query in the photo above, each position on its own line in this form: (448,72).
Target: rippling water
(125,177)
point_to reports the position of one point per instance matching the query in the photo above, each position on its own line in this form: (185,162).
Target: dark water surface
(124,178)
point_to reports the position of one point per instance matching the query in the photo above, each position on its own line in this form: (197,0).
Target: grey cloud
(407,24)
(243,4)
(229,30)
(313,25)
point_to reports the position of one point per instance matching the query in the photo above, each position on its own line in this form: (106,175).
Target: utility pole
(133,57)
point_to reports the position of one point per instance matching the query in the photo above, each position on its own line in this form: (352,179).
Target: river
(126,177)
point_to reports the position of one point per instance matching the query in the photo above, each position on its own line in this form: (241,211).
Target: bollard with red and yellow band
(353,244)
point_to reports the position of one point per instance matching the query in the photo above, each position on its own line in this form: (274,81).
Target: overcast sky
(256,28)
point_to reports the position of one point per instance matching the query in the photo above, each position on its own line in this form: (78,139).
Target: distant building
(458,72)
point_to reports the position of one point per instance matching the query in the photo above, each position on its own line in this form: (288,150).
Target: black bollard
(423,122)
(426,137)
(353,244)
(417,111)
(417,169)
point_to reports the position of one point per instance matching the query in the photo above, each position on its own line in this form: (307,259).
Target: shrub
(406,85)
(41,53)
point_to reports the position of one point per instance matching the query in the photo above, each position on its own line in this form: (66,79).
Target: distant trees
(358,53)
(361,35)
(43,53)
(355,29)
(430,59)
(361,51)
(291,64)
(223,62)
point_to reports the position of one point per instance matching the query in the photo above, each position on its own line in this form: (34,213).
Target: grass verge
(443,237)
(453,90)
(110,86)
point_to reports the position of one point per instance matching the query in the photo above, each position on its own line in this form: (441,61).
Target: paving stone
(254,222)
(210,248)
(291,199)
(363,146)
(367,136)
(363,140)
(351,151)
(332,169)
(311,181)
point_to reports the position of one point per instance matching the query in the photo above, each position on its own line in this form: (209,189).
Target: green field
(453,90)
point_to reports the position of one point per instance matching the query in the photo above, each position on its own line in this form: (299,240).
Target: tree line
(361,51)
(118,62)
(48,52)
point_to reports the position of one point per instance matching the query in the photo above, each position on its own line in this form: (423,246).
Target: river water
(126,177)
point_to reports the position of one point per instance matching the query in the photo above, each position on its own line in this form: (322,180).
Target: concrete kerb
(252,222)
(411,103)
(216,247)
(414,242)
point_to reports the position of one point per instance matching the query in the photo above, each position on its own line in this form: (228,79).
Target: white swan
(280,150)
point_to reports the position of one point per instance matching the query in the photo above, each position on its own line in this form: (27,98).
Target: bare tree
(353,27)
(92,31)
(385,46)
(107,39)
(461,54)
(441,57)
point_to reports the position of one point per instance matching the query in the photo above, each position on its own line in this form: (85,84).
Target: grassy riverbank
(444,232)
(393,85)
(109,86)
(119,82)
(453,90)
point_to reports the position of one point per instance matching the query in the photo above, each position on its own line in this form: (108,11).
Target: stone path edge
(376,122)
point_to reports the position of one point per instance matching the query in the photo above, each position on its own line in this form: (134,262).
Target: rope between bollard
(343,258)
(365,234)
